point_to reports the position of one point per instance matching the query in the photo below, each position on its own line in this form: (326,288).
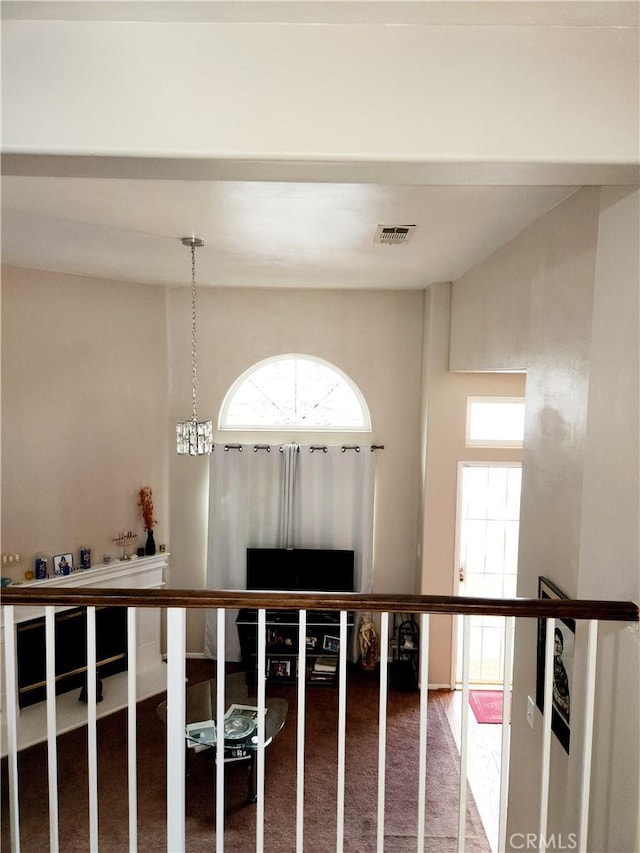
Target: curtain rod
(323,447)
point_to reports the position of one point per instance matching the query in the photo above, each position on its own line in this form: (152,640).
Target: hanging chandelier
(193,437)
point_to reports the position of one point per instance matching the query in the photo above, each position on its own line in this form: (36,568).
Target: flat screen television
(300,569)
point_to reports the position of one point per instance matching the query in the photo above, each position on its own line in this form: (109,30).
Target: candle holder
(125,540)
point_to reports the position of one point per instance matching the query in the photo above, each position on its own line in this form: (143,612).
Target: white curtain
(304,497)
(334,508)
(245,505)
(289,475)
(333,505)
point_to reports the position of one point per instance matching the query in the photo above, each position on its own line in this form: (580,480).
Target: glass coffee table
(240,725)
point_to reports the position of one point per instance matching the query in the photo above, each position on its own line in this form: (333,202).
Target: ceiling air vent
(393,235)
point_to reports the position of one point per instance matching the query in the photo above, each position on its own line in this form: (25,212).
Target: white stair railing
(175,720)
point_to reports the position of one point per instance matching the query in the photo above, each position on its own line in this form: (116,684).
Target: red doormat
(486,705)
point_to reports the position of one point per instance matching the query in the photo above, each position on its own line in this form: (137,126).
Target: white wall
(609,534)
(490,314)
(374,337)
(580,266)
(84,402)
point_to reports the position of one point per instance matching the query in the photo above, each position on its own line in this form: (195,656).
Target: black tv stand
(282,644)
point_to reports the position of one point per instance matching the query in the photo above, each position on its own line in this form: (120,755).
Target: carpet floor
(360,825)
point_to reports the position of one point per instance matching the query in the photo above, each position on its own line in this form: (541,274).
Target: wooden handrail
(566,608)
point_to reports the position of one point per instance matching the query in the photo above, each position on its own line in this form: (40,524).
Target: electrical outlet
(531,706)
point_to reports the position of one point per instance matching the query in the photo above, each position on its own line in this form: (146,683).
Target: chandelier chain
(194,438)
(194,349)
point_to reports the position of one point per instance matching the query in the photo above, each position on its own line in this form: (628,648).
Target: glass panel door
(487,557)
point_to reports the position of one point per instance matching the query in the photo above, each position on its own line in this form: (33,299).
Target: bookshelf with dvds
(322,640)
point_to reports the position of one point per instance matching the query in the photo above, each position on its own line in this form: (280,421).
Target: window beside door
(495,421)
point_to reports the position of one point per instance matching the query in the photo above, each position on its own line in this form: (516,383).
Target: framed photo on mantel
(563,656)
(63,564)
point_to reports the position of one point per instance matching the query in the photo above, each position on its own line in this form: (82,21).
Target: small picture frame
(279,668)
(63,564)
(311,642)
(331,644)
(564,643)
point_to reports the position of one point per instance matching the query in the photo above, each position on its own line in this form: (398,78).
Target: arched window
(294,391)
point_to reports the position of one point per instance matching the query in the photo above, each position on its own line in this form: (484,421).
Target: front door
(487,557)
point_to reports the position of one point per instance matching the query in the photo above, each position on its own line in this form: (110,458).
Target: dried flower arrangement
(145,502)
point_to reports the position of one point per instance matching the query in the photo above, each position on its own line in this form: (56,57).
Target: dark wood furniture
(405,653)
(322,642)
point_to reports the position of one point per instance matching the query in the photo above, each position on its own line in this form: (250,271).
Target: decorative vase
(150,546)
(368,642)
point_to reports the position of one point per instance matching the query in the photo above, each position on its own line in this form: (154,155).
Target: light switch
(531,707)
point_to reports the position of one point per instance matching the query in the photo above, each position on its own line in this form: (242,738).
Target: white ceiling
(270,224)
(260,233)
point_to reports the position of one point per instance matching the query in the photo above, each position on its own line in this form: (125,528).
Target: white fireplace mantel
(136,573)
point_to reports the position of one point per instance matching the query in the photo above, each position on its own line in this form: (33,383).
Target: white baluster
(262,665)
(132,759)
(587,743)
(422,746)
(342,718)
(546,731)
(507,676)
(220,709)
(92,739)
(464,735)
(382,725)
(52,750)
(176,708)
(11,698)
(302,693)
